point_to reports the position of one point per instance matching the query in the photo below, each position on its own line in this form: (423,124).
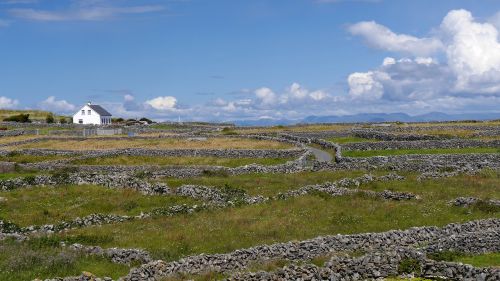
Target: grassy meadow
(180,161)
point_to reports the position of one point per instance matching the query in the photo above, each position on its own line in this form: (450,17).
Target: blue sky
(248,59)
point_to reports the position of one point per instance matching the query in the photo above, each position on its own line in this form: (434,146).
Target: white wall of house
(87,115)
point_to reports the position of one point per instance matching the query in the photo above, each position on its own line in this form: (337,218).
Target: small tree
(63,120)
(50,118)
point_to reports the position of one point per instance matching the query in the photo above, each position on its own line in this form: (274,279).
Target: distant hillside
(371,117)
(34,114)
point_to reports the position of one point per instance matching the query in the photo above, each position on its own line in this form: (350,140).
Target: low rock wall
(384,136)
(422,144)
(308,249)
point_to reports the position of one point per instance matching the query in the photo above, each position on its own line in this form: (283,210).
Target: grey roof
(101,111)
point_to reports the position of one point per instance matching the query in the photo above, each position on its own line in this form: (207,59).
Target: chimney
(89,103)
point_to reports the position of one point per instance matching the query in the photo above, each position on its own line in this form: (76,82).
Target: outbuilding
(92,114)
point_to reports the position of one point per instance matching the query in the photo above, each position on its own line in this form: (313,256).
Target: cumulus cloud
(381,37)
(366,85)
(266,96)
(163,103)
(473,53)
(51,104)
(472,65)
(7,103)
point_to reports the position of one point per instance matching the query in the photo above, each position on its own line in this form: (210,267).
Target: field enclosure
(223,204)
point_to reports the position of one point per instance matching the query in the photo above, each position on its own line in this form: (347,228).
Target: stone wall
(308,249)
(421,144)
(384,136)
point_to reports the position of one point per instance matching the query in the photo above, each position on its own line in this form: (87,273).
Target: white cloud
(366,85)
(83,11)
(381,37)
(473,53)
(389,61)
(51,104)
(266,96)
(128,97)
(7,103)
(163,103)
(495,20)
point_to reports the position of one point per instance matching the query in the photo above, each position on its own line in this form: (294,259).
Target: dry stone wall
(426,144)
(308,249)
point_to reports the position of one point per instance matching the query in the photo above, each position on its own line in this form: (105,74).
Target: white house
(92,114)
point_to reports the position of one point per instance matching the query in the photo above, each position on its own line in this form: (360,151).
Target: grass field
(159,143)
(350,140)
(300,218)
(39,258)
(47,205)
(268,184)
(22,158)
(34,114)
(5,140)
(370,153)
(180,161)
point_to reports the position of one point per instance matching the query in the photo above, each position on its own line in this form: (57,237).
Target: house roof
(100,110)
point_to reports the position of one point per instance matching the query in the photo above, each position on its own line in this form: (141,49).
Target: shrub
(409,265)
(63,120)
(30,180)
(21,118)
(50,118)
(144,119)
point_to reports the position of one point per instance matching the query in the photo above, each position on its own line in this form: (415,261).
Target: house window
(83,112)
(80,121)
(88,112)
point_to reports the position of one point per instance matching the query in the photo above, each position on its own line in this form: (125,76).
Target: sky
(222,60)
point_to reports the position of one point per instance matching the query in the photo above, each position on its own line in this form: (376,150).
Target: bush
(20,118)
(63,120)
(409,265)
(50,118)
(144,119)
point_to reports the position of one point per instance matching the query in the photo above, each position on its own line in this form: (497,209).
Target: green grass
(485,260)
(350,139)
(225,230)
(480,260)
(11,175)
(370,153)
(268,184)
(23,158)
(180,161)
(43,205)
(162,127)
(27,261)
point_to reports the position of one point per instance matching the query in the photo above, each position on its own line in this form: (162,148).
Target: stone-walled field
(216,202)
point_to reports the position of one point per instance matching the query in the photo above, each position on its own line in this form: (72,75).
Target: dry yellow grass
(4,140)
(158,143)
